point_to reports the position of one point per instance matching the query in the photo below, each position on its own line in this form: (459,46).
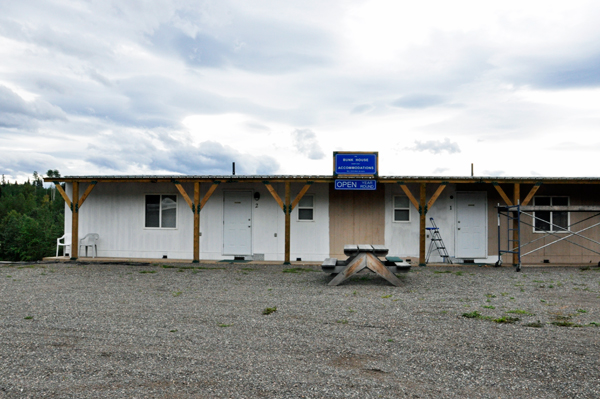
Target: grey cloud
(117,152)
(16,112)
(361,109)
(440,170)
(16,163)
(557,73)
(418,101)
(436,146)
(305,141)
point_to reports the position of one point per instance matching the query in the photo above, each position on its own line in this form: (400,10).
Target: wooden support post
(411,197)
(422,216)
(75,222)
(502,194)
(86,193)
(274,194)
(210,192)
(62,193)
(516,199)
(531,194)
(436,195)
(288,210)
(300,195)
(196,223)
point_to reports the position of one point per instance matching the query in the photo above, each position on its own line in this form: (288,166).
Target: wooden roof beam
(507,201)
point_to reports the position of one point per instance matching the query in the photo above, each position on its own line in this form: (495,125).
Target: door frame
(484,194)
(249,192)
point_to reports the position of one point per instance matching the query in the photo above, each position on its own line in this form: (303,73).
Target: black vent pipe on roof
(233,166)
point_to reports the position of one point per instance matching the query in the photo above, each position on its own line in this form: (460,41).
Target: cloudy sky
(169,87)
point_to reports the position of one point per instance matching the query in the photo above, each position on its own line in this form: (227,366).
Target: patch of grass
(361,278)
(441,271)
(168,267)
(565,323)
(180,270)
(148,271)
(270,310)
(459,273)
(594,324)
(581,311)
(504,293)
(537,324)
(298,270)
(173,330)
(506,319)
(225,325)
(490,295)
(390,340)
(209,268)
(342,321)
(472,315)
(177,293)
(351,310)
(489,307)
(28,317)
(520,311)
(387,296)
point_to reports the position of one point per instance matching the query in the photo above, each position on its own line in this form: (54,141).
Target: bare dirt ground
(171,331)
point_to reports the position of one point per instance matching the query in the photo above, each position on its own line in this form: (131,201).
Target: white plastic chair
(66,244)
(90,240)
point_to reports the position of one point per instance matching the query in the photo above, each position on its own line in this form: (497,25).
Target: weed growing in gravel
(441,271)
(225,325)
(472,315)
(351,310)
(148,271)
(387,296)
(506,319)
(390,340)
(28,317)
(173,330)
(520,311)
(459,273)
(565,324)
(489,307)
(581,311)
(342,321)
(537,324)
(177,293)
(490,295)
(168,267)
(298,270)
(270,310)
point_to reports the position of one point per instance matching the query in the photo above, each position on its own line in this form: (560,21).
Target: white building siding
(116,211)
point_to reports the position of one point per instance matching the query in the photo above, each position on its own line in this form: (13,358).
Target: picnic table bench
(365,256)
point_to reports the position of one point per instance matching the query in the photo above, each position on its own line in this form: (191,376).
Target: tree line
(31,219)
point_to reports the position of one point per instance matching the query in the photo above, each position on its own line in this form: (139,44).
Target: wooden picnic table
(365,256)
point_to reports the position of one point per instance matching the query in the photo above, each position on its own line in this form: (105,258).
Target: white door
(471,225)
(237,223)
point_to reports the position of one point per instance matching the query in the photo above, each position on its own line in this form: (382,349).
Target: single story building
(283,218)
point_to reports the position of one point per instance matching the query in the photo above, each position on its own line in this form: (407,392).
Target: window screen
(554,221)
(161,211)
(306,208)
(401,209)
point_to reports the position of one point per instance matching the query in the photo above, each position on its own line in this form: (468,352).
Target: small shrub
(270,310)
(506,319)
(472,315)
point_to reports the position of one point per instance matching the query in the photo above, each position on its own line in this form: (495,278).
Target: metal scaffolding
(515,212)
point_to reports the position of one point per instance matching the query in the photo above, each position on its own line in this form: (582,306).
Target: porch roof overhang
(323,179)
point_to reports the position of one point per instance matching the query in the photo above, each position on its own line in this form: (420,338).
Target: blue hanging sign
(355,163)
(347,184)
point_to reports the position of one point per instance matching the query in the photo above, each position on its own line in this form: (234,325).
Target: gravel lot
(95,330)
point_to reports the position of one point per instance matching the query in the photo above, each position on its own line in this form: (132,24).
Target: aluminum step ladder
(436,243)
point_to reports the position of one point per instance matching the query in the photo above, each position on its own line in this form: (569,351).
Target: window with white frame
(554,221)
(401,208)
(161,211)
(306,208)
